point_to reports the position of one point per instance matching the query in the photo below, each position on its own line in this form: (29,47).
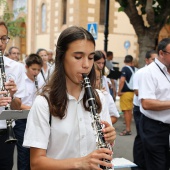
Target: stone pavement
(124,144)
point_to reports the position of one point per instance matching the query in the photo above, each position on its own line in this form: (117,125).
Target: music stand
(114,74)
(13,114)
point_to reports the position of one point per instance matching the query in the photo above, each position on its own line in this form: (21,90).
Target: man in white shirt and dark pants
(154,94)
(138,153)
(14,73)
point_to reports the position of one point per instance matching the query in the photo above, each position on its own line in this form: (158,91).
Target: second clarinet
(11,137)
(101,143)
(36,82)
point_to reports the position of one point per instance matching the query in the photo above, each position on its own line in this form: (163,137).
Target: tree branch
(150,15)
(135,19)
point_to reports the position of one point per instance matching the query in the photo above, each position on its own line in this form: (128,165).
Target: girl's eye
(78,57)
(91,58)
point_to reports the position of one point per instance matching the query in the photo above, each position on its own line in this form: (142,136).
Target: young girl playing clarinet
(59,128)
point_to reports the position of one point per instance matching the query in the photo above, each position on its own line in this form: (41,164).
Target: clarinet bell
(11,137)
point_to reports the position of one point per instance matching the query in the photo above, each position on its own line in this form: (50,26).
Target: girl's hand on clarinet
(11,86)
(109,132)
(96,158)
(4,100)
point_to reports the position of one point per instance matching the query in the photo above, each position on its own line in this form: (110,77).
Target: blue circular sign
(127,44)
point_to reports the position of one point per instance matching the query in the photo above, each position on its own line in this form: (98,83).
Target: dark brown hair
(97,56)
(128,59)
(55,91)
(33,59)
(40,49)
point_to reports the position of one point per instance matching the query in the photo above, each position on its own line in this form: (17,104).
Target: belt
(3,131)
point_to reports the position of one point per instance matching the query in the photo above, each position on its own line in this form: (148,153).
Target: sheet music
(122,163)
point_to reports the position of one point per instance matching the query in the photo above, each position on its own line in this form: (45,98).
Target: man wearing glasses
(14,53)
(154,94)
(14,74)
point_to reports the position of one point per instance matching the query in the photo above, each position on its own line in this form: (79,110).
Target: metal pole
(106,31)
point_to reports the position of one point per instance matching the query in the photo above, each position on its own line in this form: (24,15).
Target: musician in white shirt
(45,71)
(138,153)
(59,129)
(15,84)
(154,94)
(33,65)
(114,114)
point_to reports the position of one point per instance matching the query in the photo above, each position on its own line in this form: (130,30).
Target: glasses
(166,52)
(4,39)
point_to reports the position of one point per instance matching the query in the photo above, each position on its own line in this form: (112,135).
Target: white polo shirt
(111,104)
(71,137)
(154,85)
(29,98)
(105,82)
(47,73)
(136,81)
(14,70)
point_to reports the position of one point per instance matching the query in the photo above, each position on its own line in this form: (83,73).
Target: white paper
(122,163)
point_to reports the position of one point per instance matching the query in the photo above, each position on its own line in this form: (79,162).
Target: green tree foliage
(14,25)
(147,18)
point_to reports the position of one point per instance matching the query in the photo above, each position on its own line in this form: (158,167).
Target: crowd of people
(61,130)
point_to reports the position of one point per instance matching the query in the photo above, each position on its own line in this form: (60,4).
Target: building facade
(44,21)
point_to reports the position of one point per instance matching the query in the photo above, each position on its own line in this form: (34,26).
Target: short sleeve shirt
(70,137)
(136,81)
(154,85)
(111,104)
(126,72)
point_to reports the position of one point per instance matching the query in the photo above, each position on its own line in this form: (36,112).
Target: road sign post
(93,29)
(127,46)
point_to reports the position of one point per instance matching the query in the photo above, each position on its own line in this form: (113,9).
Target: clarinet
(36,82)
(101,143)
(11,137)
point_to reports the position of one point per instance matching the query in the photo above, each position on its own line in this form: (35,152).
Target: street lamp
(106,31)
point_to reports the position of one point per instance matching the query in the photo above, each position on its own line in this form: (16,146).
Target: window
(102,12)
(43,18)
(64,11)
(19,6)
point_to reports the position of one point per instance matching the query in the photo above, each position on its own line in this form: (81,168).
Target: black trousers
(138,153)
(23,157)
(6,153)
(155,139)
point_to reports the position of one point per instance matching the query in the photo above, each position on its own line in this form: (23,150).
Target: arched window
(102,12)
(43,18)
(64,11)
(19,6)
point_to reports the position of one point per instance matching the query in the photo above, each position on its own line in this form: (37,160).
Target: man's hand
(119,93)
(11,87)
(4,100)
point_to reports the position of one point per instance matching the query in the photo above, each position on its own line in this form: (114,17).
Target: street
(123,145)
